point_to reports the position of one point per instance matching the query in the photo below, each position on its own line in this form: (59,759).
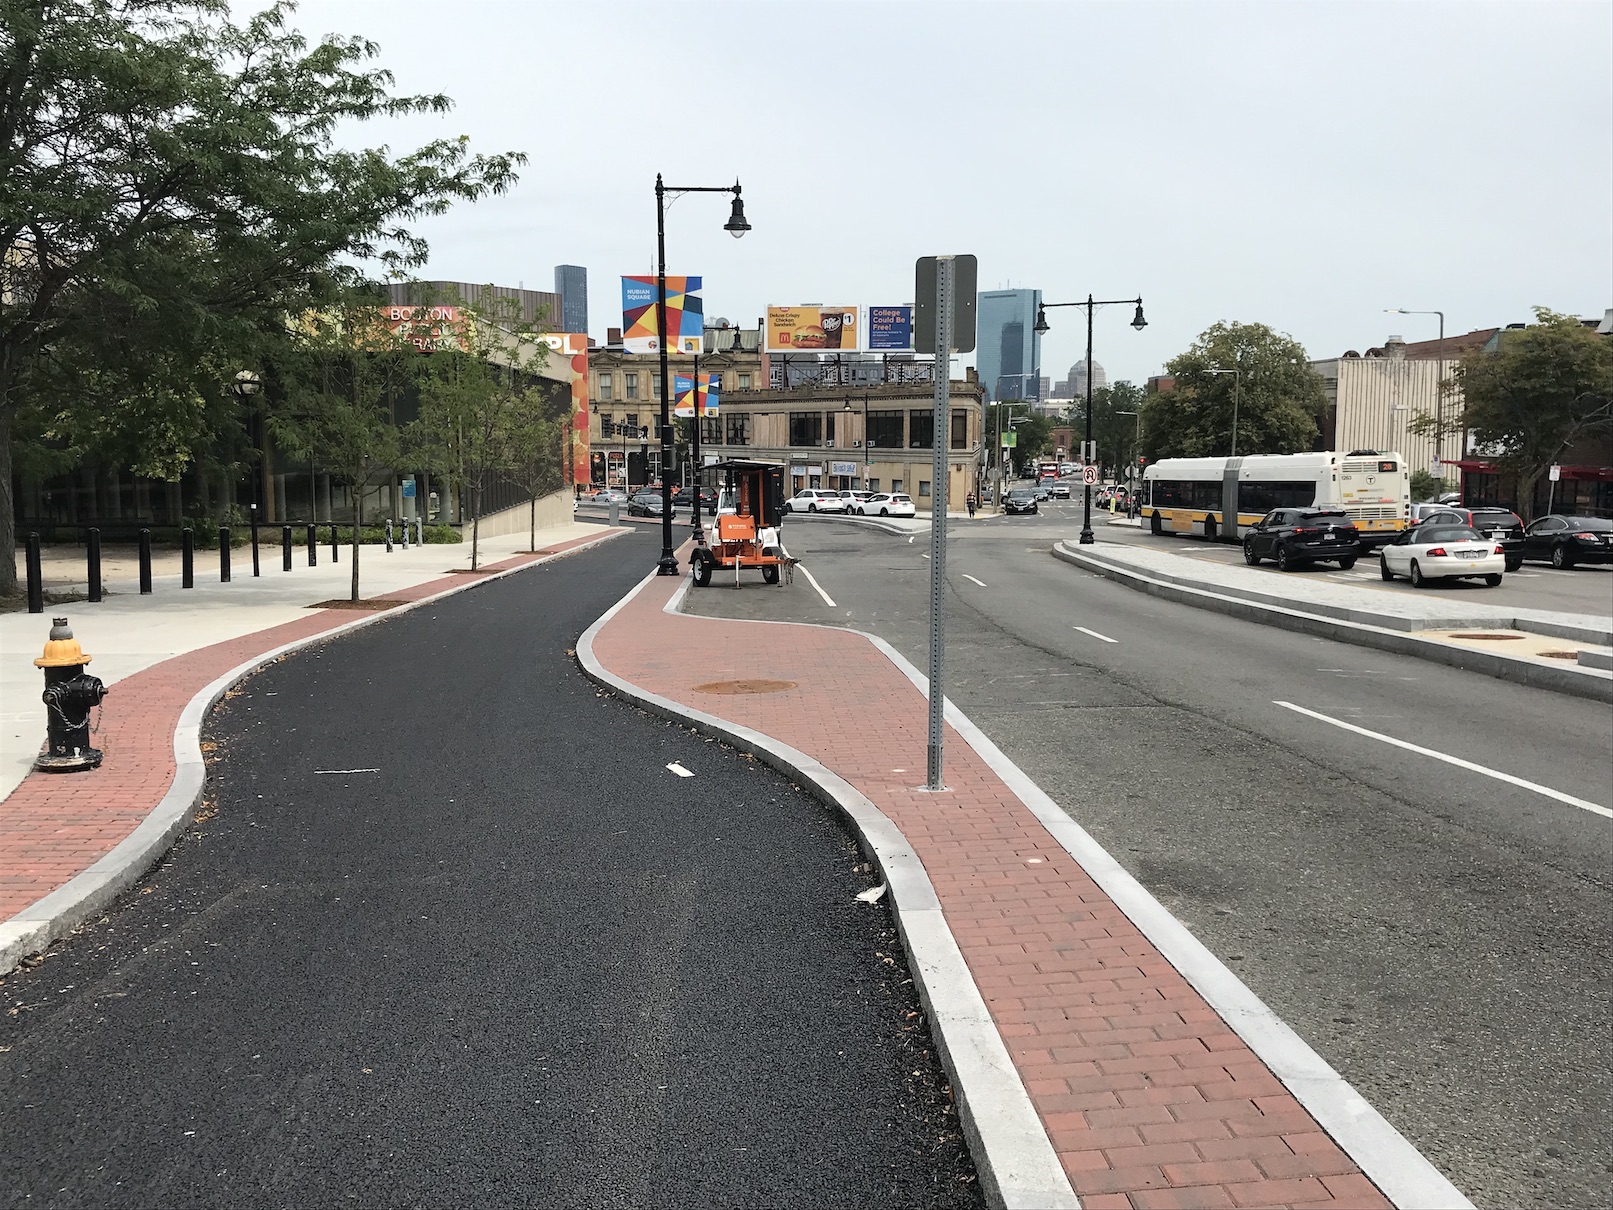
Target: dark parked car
(1502,524)
(647,504)
(1020,500)
(1565,541)
(1292,537)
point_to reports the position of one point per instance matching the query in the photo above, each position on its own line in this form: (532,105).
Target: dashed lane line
(818,588)
(1454,760)
(1095,634)
(972,580)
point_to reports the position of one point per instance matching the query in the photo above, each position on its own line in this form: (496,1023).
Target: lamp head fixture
(246,384)
(1041,318)
(1137,320)
(736,225)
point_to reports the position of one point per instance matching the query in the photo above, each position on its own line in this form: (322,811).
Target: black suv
(1020,500)
(1292,537)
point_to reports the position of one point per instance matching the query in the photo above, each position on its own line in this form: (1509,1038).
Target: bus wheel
(1154,527)
(1209,528)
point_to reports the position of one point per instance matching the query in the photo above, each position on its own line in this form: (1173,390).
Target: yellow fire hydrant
(69,697)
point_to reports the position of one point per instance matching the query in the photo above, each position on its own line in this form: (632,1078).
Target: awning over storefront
(1483,466)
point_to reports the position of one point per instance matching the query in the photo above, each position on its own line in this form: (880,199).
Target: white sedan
(1444,552)
(887,504)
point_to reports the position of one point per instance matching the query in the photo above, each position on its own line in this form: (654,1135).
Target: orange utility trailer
(748,535)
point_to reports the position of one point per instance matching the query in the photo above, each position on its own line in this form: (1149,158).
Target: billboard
(685,317)
(813,330)
(683,388)
(429,329)
(890,329)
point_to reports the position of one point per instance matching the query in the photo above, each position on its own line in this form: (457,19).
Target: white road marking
(679,770)
(1454,760)
(972,580)
(926,556)
(827,599)
(1096,635)
(910,540)
(339,772)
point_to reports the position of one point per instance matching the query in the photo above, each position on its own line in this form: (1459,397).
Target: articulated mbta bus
(1223,497)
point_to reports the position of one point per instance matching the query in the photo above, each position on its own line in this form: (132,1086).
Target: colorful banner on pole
(890,329)
(813,330)
(683,388)
(685,317)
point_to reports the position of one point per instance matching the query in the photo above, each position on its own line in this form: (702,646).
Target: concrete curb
(1019,1170)
(1569,679)
(1382,1152)
(45,921)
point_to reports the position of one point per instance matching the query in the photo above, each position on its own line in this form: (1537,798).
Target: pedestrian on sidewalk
(972,504)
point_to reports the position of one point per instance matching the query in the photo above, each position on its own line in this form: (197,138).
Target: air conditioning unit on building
(856,445)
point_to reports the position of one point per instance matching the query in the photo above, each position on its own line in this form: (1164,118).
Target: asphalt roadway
(1440,937)
(449,932)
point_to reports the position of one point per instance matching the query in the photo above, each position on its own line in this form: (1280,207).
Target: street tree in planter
(472,397)
(1278,398)
(537,446)
(335,383)
(1544,389)
(171,190)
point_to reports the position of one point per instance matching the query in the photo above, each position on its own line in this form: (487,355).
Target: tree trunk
(358,524)
(8,515)
(475,524)
(532,527)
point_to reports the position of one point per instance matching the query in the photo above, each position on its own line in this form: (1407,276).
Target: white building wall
(1376,400)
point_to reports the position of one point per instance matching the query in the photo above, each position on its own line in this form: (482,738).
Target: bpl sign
(429,329)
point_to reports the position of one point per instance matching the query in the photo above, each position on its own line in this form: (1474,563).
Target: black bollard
(223,554)
(95,564)
(405,535)
(334,549)
(313,547)
(285,548)
(145,562)
(36,577)
(254,541)
(389,535)
(187,558)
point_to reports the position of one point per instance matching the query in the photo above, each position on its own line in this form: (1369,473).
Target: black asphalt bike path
(1441,938)
(520,964)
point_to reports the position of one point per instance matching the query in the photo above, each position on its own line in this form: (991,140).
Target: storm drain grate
(1486,636)
(1559,655)
(753,686)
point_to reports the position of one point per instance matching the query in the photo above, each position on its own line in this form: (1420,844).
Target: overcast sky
(1303,165)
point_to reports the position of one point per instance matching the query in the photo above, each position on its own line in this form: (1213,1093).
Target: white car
(1444,552)
(887,504)
(853,497)
(815,500)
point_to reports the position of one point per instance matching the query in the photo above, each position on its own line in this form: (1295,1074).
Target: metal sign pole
(939,439)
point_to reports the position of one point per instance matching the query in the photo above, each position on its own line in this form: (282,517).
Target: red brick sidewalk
(1148,1097)
(55,826)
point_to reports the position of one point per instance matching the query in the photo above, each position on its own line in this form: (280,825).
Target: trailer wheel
(770,574)
(702,571)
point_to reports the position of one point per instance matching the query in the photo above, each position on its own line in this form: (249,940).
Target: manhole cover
(1486,636)
(1559,655)
(732,687)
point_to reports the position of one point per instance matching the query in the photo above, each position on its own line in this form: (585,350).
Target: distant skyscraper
(1078,378)
(571,283)
(1008,349)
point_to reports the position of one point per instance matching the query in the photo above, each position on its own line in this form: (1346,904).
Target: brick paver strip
(1149,1098)
(54,826)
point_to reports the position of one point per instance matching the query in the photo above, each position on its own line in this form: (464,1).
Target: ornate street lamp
(1137,322)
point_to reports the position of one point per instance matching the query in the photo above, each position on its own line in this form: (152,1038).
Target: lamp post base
(668,565)
(1087,538)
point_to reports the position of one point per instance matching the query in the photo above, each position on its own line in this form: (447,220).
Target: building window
(605,388)
(924,488)
(655,386)
(829,428)
(607,423)
(920,430)
(744,382)
(885,430)
(710,430)
(896,485)
(632,424)
(960,431)
(630,381)
(872,485)
(738,428)
(806,428)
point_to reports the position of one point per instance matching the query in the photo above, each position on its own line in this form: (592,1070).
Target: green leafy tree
(1114,431)
(1545,389)
(335,381)
(1278,397)
(169,191)
(536,448)
(1425,486)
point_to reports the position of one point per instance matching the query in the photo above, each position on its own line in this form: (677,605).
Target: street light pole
(1237,394)
(735,226)
(1138,323)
